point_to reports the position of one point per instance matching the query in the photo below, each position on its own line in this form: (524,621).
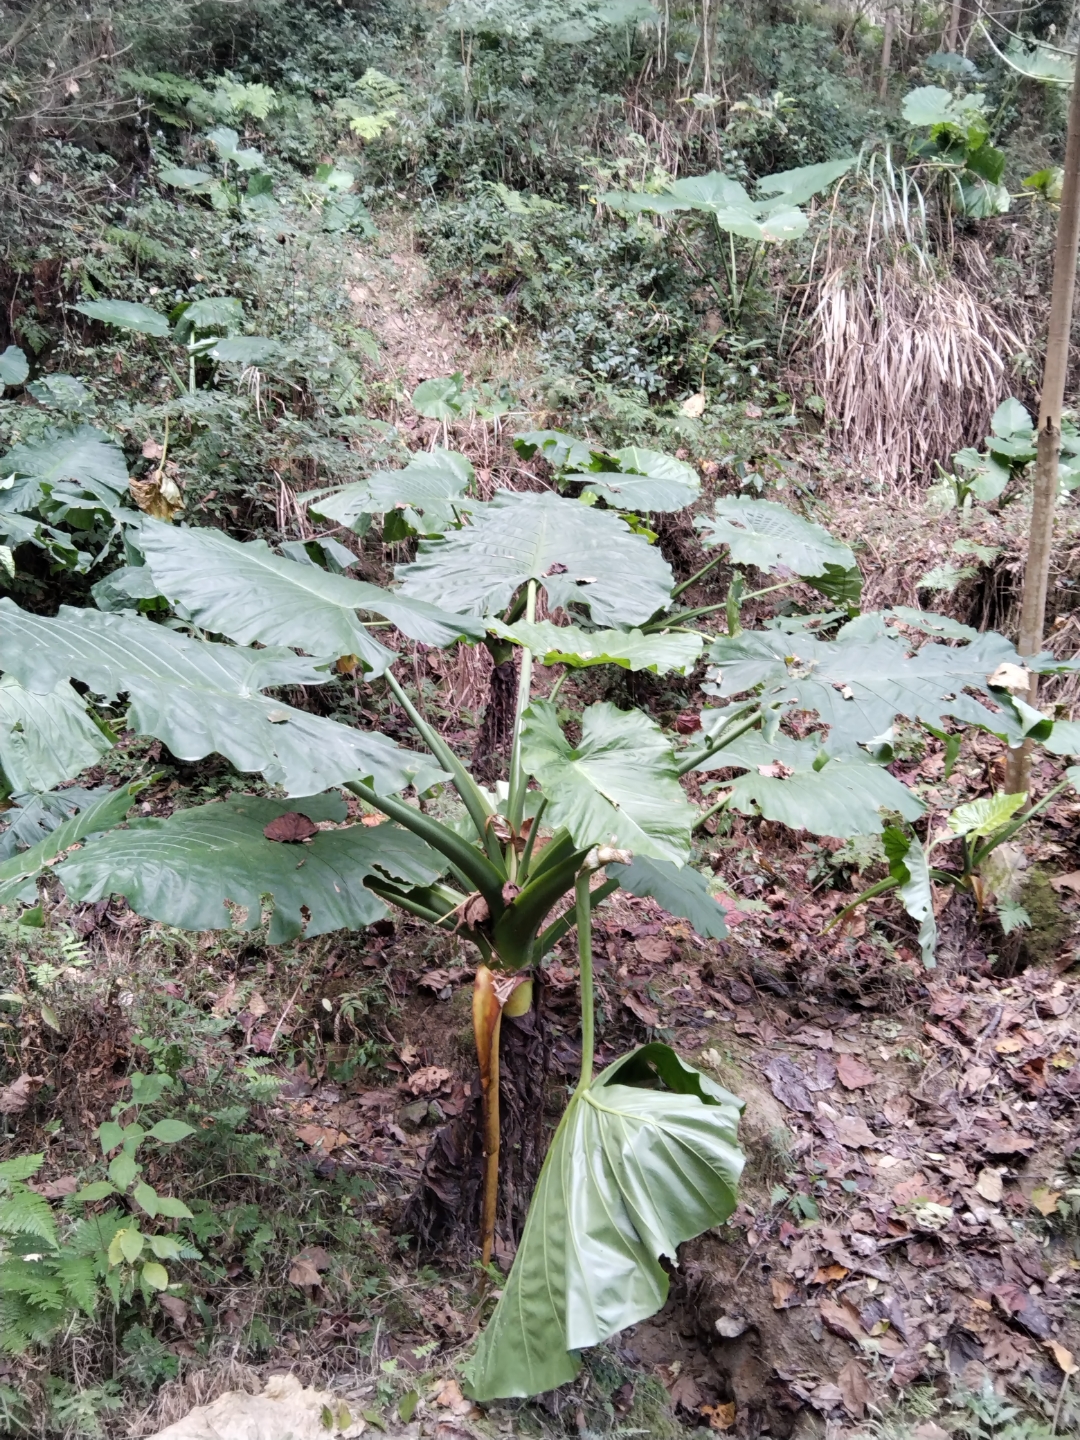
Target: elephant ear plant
(646,1155)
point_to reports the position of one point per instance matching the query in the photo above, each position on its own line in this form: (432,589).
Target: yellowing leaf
(1063,1357)
(155,1275)
(1045,1200)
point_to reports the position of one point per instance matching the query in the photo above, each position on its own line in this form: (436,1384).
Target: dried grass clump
(910,362)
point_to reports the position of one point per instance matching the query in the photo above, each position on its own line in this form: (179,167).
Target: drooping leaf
(189,870)
(795,187)
(772,537)
(861,681)
(647,480)
(84,456)
(245,591)
(45,739)
(198,698)
(570,645)
(430,492)
(931,624)
(680,890)
(227,143)
(14,367)
(64,393)
(908,863)
(844,796)
(126,315)
(19,873)
(631,1174)
(581,557)
(619,781)
(220,313)
(184,179)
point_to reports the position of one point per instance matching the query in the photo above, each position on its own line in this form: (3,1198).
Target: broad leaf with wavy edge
(581,556)
(198,697)
(861,681)
(245,591)
(45,739)
(680,890)
(126,315)
(619,781)
(845,797)
(646,481)
(18,875)
(82,456)
(433,486)
(631,1174)
(190,869)
(770,536)
(552,644)
(909,863)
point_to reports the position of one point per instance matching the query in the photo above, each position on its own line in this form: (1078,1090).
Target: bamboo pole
(1044,498)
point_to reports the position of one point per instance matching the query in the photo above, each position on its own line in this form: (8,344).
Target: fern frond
(22,1167)
(24,1213)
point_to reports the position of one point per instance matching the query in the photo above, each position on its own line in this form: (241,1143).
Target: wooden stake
(1045,492)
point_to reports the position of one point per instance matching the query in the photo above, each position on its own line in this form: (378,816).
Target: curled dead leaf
(290,828)
(429,1079)
(719,1417)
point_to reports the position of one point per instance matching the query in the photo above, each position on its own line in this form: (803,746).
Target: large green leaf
(680,890)
(861,681)
(194,868)
(18,875)
(581,556)
(552,644)
(126,315)
(560,450)
(198,697)
(795,187)
(84,456)
(620,781)
(982,817)
(909,864)
(647,480)
(13,366)
(45,739)
(772,537)
(845,796)
(430,492)
(245,591)
(631,1174)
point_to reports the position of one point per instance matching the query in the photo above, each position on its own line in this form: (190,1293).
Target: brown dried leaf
(1063,1357)
(842,1319)
(174,1307)
(853,1131)
(684,1391)
(429,1079)
(788,1083)
(646,1013)
(290,828)
(1007,1142)
(653,949)
(784,1294)
(1045,1200)
(989,1185)
(854,1389)
(720,1417)
(57,1189)
(14,1098)
(826,1274)
(302,1272)
(449,1397)
(852,1073)
(322,1137)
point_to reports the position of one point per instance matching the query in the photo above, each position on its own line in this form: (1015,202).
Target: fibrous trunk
(492,752)
(444,1215)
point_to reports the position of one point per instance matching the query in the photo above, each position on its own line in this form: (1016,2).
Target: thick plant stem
(487,1023)
(1044,498)
(515,804)
(583,907)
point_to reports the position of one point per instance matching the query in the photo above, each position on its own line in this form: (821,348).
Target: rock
(286,1410)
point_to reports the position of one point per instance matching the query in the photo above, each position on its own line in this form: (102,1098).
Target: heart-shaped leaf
(45,739)
(582,557)
(620,781)
(570,645)
(645,1157)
